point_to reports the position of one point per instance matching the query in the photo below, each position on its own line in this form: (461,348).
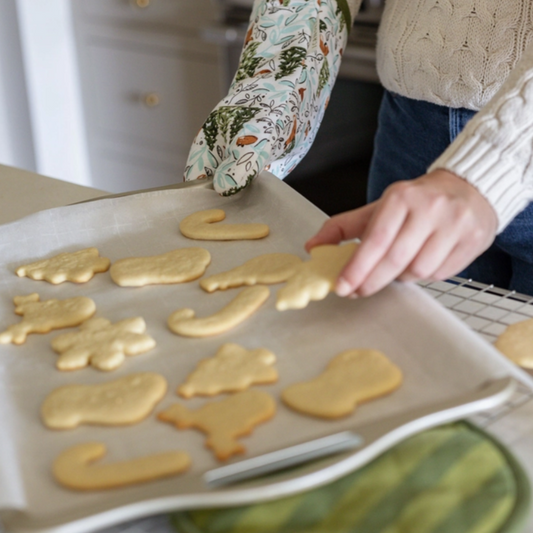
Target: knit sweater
(473,54)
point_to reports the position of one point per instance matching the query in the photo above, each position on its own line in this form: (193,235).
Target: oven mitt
(277,99)
(451,479)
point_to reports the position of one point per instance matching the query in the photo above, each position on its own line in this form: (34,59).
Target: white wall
(16,143)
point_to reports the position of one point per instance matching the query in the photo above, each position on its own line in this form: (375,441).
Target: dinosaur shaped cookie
(265,269)
(224,421)
(42,317)
(79,267)
(102,344)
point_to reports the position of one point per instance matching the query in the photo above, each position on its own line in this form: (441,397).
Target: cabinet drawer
(179,13)
(150,97)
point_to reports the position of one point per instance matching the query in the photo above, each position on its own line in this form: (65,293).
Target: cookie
(266,269)
(78,267)
(316,278)
(42,317)
(102,344)
(177,266)
(224,421)
(202,226)
(74,469)
(352,377)
(232,369)
(516,343)
(123,401)
(183,321)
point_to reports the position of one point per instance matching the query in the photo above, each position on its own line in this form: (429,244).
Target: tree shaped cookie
(177,266)
(123,401)
(102,344)
(78,267)
(232,369)
(183,321)
(202,226)
(352,377)
(516,343)
(74,469)
(224,421)
(42,317)
(316,278)
(266,268)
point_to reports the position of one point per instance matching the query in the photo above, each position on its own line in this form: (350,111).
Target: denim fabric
(411,135)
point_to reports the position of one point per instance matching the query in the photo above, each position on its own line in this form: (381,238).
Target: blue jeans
(411,135)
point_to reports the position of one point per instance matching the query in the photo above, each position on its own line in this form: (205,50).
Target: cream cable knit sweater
(473,54)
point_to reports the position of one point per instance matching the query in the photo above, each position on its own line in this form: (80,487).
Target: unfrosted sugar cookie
(266,269)
(183,321)
(79,267)
(123,401)
(516,343)
(316,278)
(224,421)
(42,317)
(232,369)
(102,344)
(177,266)
(74,468)
(203,225)
(352,377)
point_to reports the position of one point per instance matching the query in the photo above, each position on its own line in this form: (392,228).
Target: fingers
(343,227)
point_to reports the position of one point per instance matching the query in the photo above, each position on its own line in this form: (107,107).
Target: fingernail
(343,288)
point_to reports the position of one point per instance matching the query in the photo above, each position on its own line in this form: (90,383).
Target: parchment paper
(439,356)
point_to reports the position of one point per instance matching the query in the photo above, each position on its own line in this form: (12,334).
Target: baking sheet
(440,358)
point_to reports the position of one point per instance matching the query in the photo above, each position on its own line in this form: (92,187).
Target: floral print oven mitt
(277,99)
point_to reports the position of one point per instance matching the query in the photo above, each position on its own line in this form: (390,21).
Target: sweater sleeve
(494,152)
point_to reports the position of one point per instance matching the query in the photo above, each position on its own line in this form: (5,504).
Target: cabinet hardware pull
(151,99)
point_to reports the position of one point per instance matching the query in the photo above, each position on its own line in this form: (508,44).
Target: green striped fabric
(451,479)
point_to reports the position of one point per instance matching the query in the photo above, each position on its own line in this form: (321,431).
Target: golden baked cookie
(266,269)
(73,468)
(516,343)
(352,377)
(42,317)
(177,266)
(102,344)
(203,225)
(183,321)
(316,278)
(79,267)
(232,369)
(123,401)
(224,421)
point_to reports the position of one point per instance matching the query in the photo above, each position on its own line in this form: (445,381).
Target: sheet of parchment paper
(439,356)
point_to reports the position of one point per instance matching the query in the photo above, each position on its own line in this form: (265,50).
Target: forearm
(495,150)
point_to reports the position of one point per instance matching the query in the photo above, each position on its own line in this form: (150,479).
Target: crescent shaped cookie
(516,343)
(183,322)
(177,266)
(79,267)
(266,268)
(232,369)
(224,421)
(73,468)
(123,401)
(42,317)
(202,226)
(352,377)
(102,344)
(316,278)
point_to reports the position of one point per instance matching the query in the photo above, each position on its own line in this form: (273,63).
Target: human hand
(428,228)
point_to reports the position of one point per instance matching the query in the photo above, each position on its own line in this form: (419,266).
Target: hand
(428,228)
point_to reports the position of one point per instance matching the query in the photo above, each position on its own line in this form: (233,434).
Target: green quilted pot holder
(450,479)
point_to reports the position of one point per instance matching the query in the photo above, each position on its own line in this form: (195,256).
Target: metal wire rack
(488,310)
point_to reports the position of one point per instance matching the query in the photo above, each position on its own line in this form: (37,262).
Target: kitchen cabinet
(148,81)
